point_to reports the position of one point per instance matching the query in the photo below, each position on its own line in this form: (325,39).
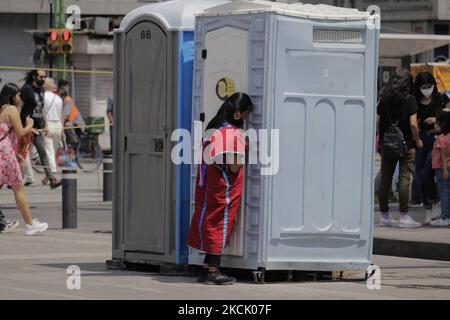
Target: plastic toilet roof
(175,14)
(319,11)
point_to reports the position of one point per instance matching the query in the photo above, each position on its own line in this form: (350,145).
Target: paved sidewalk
(425,243)
(35,267)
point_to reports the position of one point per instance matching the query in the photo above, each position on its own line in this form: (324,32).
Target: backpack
(394,144)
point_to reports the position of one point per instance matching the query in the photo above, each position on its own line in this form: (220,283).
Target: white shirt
(53,106)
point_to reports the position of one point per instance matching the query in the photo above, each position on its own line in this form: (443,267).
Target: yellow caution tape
(57,70)
(78,127)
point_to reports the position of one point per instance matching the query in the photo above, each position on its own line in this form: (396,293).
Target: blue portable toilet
(311,71)
(153,64)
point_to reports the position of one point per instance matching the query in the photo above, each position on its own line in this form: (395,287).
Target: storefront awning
(393,45)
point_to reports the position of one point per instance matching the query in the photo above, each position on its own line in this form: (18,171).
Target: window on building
(442,51)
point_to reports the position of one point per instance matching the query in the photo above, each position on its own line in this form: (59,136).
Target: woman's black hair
(31,76)
(399,87)
(424,78)
(62,83)
(443,120)
(239,101)
(9,91)
(62,93)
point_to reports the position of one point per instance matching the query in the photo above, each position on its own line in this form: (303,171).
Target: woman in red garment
(219,185)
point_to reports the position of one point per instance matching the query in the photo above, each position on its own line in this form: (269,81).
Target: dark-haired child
(441,164)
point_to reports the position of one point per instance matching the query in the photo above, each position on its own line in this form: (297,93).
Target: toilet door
(226,57)
(145,138)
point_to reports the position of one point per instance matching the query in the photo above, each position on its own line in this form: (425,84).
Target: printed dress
(10,172)
(218,193)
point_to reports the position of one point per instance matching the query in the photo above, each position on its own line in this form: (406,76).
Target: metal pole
(107,178)
(69,198)
(59,16)
(51,26)
(62,24)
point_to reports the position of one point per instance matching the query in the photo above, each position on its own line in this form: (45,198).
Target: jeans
(52,142)
(28,169)
(111,137)
(3,222)
(416,191)
(394,182)
(444,191)
(39,143)
(424,171)
(387,171)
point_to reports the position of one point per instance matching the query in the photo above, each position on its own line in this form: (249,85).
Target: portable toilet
(153,61)
(311,71)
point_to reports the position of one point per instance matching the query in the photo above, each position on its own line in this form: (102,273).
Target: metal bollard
(69,199)
(107,179)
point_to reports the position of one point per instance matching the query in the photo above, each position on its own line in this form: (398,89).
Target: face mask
(427,92)
(40,83)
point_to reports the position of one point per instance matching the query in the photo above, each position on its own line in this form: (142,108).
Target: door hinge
(204,54)
(125,143)
(158,145)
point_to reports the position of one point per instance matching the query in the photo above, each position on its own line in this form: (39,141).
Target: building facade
(23,24)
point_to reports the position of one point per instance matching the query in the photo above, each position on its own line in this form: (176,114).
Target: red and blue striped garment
(218,193)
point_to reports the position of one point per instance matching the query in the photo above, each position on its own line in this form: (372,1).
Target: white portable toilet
(153,65)
(311,72)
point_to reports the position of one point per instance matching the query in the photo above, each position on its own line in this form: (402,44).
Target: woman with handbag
(399,138)
(10,161)
(53,105)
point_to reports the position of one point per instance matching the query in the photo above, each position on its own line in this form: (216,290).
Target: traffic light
(66,41)
(54,41)
(59,41)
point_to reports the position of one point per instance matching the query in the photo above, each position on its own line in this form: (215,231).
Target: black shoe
(203,275)
(55,183)
(218,279)
(10,226)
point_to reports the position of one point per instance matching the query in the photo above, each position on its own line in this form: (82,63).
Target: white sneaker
(440,223)
(10,226)
(35,228)
(407,222)
(437,211)
(387,222)
(433,214)
(415,205)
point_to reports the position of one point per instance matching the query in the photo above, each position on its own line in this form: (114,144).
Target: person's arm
(110,117)
(430,120)
(109,110)
(444,166)
(415,130)
(67,107)
(235,166)
(378,124)
(14,118)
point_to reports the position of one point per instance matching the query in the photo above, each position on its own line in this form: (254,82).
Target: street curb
(411,249)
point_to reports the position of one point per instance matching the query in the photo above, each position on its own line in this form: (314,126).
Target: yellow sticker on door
(225,88)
